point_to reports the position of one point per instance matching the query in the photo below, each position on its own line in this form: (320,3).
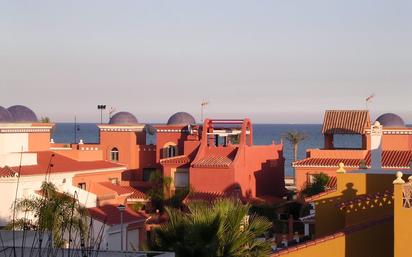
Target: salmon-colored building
(220,157)
(386,143)
(216,157)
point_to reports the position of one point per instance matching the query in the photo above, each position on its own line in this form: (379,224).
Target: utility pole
(101,107)
(121,209)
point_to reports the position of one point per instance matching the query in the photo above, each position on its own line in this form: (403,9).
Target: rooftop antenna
(368,99)
(76,128)
(111,111)
(202,107)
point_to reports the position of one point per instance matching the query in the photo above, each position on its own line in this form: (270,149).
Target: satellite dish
(150,129)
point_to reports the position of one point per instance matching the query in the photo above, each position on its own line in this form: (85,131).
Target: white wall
(11,144)
(14,142)
(111,239)
(28,185)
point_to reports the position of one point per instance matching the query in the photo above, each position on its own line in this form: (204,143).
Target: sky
(273,61)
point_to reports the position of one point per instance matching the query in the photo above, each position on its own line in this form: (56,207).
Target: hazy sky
(274,61)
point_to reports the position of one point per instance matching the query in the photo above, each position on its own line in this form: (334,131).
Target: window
(114,155)
(82,186)
(181,179)
(170,151)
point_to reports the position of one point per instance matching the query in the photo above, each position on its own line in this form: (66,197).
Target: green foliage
(294,138)
(234,139)
(317,186)
(221,229)
(54,211)
(45,119)
(265,210)
(160,185)
(176,200)
(137,206)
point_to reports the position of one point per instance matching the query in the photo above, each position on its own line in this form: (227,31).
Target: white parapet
(85,198)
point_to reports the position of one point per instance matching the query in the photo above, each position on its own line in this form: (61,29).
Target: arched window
(114,154)
(171,151)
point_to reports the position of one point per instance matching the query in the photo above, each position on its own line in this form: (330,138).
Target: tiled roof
(181,159)
(216,157)
(346,121)
(332,183)
(209,196)
(6,172)
(344,232)
(124,190)
(60,163)
(390,159)
(111,215)
(367,197)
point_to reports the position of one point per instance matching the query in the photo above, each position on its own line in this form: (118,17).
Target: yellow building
(368,214)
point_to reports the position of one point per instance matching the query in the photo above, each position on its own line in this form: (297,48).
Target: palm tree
(55,212)
(160,189)
(222,229)
(294,138)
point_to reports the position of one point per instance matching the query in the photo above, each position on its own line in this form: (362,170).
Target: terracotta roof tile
(181,159)
(208,196)
(317,196)
(124,190)
(390,159)
(346,121)
(6,172)
(111,215)
(332,183)
(216,157)
(60,163)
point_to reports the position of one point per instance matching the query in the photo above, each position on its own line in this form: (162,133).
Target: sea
(263,134)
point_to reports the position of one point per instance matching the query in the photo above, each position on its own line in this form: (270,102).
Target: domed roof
(181,118)
(123,118)
(22,113)
(5,115)
(391,120)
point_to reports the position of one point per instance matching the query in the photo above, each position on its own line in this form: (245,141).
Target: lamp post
(121,209)
(101,107)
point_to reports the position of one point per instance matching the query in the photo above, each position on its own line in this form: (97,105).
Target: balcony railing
(407,195)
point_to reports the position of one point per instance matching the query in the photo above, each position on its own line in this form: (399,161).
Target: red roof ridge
(7,172)
(48,161)
(317,196)
(179,159)
(217,157)
(346,121)
(124,190)
(390,159)
(110,215)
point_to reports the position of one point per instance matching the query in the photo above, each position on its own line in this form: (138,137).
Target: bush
(317,186)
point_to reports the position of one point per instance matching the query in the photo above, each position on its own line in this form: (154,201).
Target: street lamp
(101,107)
(121,209)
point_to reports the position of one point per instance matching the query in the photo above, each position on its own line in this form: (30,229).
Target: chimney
(376,146)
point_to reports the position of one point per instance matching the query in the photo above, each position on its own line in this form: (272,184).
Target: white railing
(407,195)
